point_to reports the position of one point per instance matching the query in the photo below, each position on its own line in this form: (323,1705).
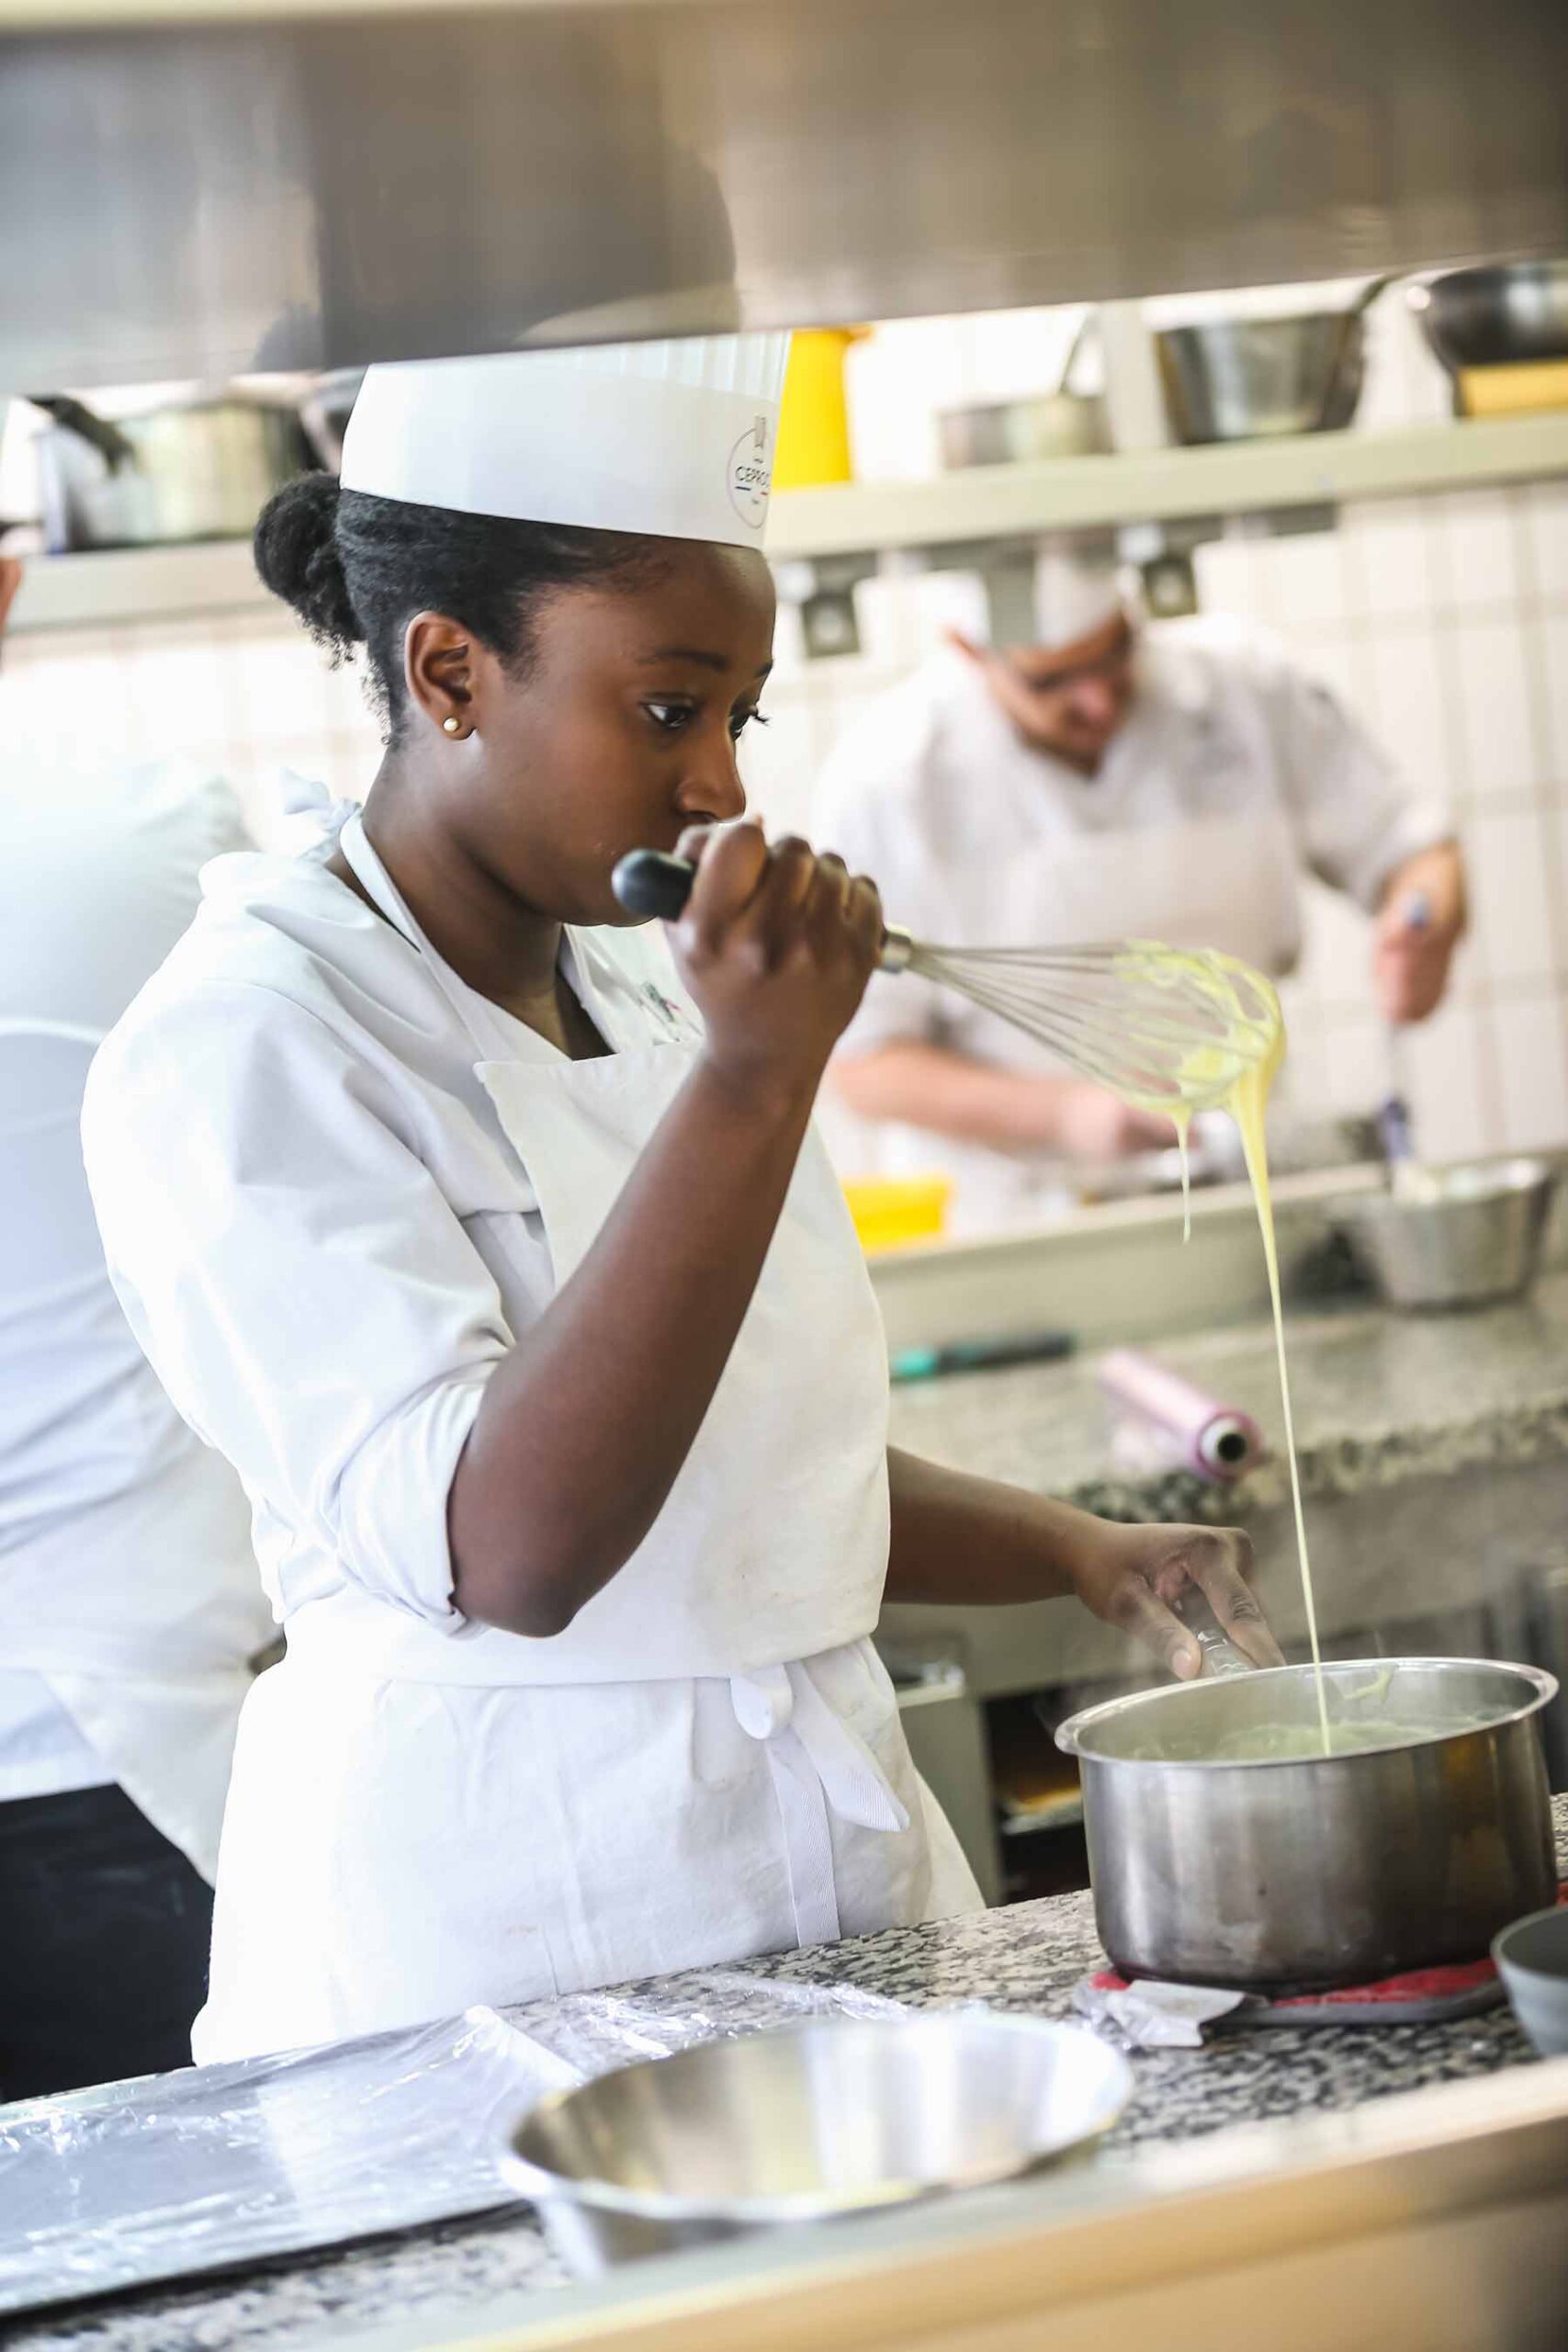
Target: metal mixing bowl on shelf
(1244,379)
(1289,1872)
(801,2123)
(1460,1236)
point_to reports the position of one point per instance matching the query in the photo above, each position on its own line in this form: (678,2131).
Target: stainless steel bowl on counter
(1244,379)
(805,2122)
(1462,1236)
(1318,1871)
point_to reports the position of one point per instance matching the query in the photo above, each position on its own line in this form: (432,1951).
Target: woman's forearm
(585,1424)
(957,1538)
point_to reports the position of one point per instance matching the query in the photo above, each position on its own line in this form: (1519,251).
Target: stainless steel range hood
(202,190)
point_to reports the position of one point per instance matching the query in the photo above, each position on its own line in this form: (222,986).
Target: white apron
(706,1764)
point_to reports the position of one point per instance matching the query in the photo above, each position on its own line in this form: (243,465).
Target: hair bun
(297,555)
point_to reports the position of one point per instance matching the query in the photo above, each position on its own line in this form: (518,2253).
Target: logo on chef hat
(750,475)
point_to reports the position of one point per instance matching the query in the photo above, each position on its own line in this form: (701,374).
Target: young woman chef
(497,1254)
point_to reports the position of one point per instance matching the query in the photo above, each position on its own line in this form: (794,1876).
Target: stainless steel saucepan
(1214,1868)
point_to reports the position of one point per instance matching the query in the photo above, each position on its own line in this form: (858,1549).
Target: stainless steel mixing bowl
(1241,380)
(1323,1869)
(1453,1236)
(803,2122)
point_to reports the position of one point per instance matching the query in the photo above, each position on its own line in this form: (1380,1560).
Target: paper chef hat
(672,439)
(1074,592)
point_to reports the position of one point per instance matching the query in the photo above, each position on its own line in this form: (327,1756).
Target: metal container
(200,471)
(1462,1236)
(1004,433)
(1532,1960)
(1056,421)
(1245,379)
(803,2123)
(1510,314)
(1324,1870)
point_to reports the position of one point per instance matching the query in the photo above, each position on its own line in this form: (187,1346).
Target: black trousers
(104,1934)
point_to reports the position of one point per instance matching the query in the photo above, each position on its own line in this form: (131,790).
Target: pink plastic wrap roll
(1217,1441)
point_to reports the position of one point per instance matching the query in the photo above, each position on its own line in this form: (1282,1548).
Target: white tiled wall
(1444,621)
(1436,618)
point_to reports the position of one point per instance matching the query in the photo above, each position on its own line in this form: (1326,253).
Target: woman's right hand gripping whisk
(776,946)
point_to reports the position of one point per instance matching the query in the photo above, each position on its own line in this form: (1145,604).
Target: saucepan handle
(1222,1657)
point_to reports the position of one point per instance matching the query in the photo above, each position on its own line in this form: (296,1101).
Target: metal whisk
(1170,1032)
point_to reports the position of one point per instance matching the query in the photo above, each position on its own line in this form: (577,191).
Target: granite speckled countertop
(1027,1958)
(1380,1398)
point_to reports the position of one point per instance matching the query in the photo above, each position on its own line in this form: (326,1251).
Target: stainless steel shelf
(1163,485)
(984,502)
(139,585)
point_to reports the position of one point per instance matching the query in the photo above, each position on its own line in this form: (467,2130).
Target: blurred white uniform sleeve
(858,813)
(1354,817)
(224,817)
(304,1290)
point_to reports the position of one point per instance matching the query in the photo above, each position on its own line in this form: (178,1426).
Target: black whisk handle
(648,882)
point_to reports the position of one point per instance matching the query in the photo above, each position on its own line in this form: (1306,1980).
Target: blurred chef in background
(1114,779)
(130,1604)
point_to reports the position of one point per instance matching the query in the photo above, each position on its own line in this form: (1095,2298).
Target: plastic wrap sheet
(219,2166)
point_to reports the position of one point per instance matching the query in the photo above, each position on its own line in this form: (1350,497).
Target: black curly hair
(355,568)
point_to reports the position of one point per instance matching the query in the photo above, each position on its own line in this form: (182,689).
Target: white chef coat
(335,1187)
(129,1601)
(1232,773)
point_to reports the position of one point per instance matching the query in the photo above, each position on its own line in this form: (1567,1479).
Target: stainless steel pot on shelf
(1321,1870)
(179,472)
(1241,380)
(1003,433)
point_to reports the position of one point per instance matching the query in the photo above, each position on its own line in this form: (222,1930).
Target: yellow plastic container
(814,425)
(889,1211)
(1531,386)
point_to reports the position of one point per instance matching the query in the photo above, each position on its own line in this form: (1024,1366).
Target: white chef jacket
(115,1524)
(1232,773)
(302,1144)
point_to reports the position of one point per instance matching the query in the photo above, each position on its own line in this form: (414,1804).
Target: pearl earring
(452,724)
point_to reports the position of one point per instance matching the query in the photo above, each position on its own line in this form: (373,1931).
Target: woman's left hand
(1136,1578)
(961,1540)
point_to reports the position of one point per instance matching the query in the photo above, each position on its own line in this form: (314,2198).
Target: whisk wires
(1170,1030)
